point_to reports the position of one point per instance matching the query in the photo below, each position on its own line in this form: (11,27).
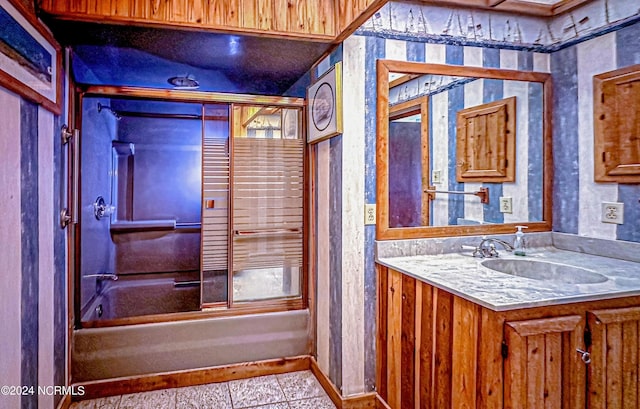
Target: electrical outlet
(506,205)
(612,212)
(369,214)
(436,177)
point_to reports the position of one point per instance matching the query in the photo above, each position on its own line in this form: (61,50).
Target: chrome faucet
(487,247)
(102,276)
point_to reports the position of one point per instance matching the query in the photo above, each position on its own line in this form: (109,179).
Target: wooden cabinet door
(543,369)
(613,372)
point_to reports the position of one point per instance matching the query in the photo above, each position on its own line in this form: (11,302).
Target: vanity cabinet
(438,350)
(543,367)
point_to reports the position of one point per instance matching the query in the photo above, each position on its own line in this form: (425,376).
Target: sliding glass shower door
(252,207)
(267,194)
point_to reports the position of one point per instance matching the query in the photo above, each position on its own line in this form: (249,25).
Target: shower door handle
(71,139)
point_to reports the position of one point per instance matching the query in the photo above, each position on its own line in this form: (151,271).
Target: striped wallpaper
(346,180)
(33,291)
(577,199)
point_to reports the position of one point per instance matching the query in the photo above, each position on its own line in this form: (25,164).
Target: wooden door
(543,369)
(613,372)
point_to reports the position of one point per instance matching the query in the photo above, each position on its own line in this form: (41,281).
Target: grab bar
(482,193)
(71,138)
(265,232)
(102,276)
(192,283)
(189,225)
(129,225)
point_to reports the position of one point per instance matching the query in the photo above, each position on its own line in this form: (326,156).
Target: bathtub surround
(33,299)
(99,129)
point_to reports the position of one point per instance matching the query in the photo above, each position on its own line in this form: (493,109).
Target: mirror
(461,150)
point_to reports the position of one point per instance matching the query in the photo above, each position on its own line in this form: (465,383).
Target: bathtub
(144,294)
(130,350)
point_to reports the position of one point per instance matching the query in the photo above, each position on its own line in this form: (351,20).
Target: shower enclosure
(187,208)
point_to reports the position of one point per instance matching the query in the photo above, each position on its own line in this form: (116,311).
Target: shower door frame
(250,307)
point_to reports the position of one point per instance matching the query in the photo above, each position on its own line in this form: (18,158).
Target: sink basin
(544,271)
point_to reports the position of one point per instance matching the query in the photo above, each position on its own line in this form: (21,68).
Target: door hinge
(505,349)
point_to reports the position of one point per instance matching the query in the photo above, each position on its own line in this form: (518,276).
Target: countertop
(463,275)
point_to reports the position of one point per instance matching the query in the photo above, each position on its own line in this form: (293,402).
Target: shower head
(108,108)
(184,82)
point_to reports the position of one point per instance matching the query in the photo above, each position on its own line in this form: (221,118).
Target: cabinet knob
(586,357)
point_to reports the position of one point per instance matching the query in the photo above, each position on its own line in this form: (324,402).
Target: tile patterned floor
(295,390)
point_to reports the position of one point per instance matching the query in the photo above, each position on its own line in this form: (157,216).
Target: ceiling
(122,55)
(147,57)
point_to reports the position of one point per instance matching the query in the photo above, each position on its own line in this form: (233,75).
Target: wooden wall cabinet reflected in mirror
(422,189)
(486,142)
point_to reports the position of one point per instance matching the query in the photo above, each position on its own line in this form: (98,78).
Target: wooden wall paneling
(297,16)
(139,8)
(257,14)
(281,11)
(417,324)
(515,392)
(195,11)
(630,346)
(159,10)
(104,7)
(302,18)
(613,372)
(424,371)
(177,10)
(77,6)
(46,4)
(394,337)
(221,13)
(408,342)
(344,13)
(489,376)
(464,360)
(348,11)
(290,15)
(381,346)
(121,8)
(443,349)
(320,17)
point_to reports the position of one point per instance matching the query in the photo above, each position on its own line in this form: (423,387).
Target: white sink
(544,271)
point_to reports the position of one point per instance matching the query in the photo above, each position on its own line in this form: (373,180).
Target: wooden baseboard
(176,379)
(364,401)
(380,403)
(325,382)
(65,402)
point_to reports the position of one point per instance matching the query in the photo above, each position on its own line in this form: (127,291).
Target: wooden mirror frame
(383,68)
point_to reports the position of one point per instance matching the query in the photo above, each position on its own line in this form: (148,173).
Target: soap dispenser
(518,244)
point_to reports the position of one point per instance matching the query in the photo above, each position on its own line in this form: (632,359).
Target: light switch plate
(506,205)
(369,214)
(436,177)
(612,212)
